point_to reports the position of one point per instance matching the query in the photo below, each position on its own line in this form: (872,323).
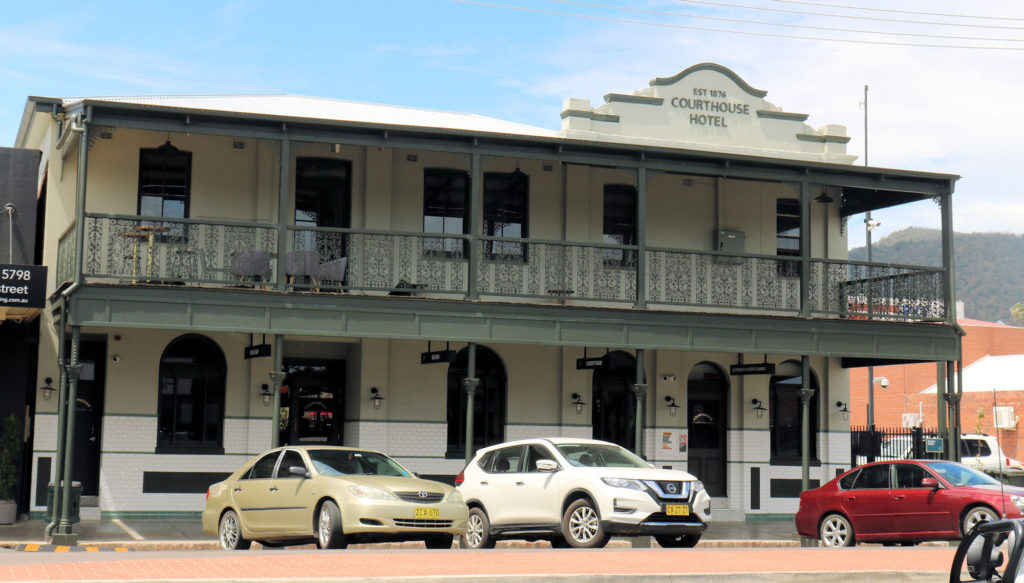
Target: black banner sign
(759,368)
(437,356)
(257,351)
(590,363)
(22,286)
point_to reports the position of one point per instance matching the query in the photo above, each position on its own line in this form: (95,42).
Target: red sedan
(904,501)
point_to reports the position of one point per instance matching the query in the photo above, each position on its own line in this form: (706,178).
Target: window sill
(189,450)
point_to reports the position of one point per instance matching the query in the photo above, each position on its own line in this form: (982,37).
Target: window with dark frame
(785,417)
(620,224)
(445,211)
(165,177)
(506,201)
(489,402)
(190,405)
(787,235)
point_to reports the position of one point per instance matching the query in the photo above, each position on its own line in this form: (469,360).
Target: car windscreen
(600,455)
(961,475)
(333,462)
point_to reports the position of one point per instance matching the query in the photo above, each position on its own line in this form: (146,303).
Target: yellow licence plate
(427,513)
(677,509)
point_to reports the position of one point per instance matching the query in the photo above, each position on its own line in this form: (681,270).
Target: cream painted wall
(680,211)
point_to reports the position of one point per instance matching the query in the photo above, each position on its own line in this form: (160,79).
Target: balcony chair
(332,272)
(302,263)
(251,266)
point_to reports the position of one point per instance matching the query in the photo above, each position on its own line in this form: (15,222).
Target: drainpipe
(62,401)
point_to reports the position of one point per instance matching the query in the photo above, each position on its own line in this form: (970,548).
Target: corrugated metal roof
(322,108)
(1002,373)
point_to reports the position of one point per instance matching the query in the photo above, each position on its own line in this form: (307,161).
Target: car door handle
(237,490)
(520,483)
(273,489)
(483,483)
(900,497)
(851,498)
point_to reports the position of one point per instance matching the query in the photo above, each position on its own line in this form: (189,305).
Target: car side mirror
(547,466)
(298,471)
(930,483)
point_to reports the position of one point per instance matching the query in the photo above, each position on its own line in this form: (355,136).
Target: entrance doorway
(707,417)
(313,402)
(488,401)
(89,415)
(614,416)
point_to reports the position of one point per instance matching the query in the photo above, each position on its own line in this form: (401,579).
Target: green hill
(989,266)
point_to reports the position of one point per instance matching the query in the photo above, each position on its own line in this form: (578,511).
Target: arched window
(785,412)
(191,400)
(488,401)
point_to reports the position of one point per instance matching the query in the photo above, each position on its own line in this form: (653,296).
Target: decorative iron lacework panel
(692,278)
(558,270)
(133,250)
(67,250)
(379,261)
(886,292)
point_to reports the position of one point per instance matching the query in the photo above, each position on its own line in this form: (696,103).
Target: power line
(726,31)
(785,25)
(892,10)
(874,18)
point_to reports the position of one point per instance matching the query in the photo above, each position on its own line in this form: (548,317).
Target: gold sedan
(333,495)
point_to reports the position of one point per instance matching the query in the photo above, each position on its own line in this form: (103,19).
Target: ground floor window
(191,396)
(488,402)
(786,415)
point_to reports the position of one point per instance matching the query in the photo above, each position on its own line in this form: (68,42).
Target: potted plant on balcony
(10,445)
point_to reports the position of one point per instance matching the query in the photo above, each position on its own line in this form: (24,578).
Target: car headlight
(371,492)
(625,483)
(455,496)
(697,486)
(1018,501)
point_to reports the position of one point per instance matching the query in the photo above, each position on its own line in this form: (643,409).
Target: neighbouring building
(237,271)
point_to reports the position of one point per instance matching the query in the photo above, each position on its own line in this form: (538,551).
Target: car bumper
(387,517)
(653,527)
(639,514)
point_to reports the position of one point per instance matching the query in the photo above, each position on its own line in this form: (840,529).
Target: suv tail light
(460,478)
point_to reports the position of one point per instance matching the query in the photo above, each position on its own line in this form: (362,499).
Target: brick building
(991,352)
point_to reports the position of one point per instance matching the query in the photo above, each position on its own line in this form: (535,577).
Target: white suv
(577,492)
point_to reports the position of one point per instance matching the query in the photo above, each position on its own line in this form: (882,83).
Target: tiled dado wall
(133,479)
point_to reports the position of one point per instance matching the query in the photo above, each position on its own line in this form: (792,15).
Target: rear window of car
(873,478)
(846,482)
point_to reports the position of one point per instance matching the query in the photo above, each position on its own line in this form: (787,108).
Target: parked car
(333,496)
(905,501)
(578,492)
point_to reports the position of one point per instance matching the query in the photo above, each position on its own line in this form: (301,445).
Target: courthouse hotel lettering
(667,270)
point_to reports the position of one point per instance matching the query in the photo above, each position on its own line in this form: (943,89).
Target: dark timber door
(614,416)
(706,416)
(313,402)
(89,416)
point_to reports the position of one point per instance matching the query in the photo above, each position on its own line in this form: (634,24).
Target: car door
(868,503)
(291,496)
(251,493)
(534,494)
(498,484)
(920,509)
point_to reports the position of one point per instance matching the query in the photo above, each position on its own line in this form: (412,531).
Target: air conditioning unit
(1004,418)
(911,419)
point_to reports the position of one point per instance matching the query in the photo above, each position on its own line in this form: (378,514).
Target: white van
(977,450)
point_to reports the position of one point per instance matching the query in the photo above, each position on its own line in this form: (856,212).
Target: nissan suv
(578,493)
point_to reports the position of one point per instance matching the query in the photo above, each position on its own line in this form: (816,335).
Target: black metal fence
(889,443)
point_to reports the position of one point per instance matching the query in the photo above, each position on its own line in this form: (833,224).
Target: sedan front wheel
(329,534)
(836,531)
(976,516)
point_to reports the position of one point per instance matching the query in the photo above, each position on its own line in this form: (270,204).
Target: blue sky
(952,110)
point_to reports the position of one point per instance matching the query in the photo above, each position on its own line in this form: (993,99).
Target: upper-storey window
(323,192)
(787,235)
(165,176)
(619,223)
(445,210)
(506,200)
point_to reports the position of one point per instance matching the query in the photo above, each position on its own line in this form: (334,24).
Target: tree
(1017,312)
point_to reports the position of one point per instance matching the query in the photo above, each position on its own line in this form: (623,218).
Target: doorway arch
(614,413)
(488,403)
(707,414)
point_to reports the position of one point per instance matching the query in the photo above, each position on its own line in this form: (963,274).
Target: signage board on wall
(591,363)
(437,356)
(257,351)
(22,286)
(757,368)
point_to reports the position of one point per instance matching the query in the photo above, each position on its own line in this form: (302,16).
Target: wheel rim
(976,517)
(583,524)
(835,533)
(324,526)
(229,532)
(476,531)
